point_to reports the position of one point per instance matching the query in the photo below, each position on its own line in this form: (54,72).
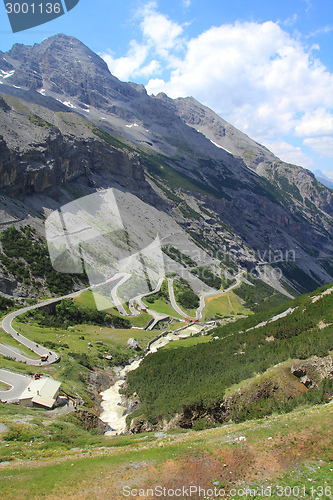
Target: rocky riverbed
(114,410)
(113,404)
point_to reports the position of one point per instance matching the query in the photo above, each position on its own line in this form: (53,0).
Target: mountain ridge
(221,187)
(323,179)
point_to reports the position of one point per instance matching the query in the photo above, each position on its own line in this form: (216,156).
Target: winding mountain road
(198,313)
(156,315)
(174,304)
(52,357)
(117,302)
(20,382)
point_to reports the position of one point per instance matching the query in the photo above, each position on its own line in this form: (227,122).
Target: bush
(19,432)
(70,314)
(188,299)
(26,256)
(172,378)
(163,294)
(6,303)
(208,277)
(184,294)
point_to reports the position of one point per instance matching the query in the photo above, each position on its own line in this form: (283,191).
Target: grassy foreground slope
(288,451)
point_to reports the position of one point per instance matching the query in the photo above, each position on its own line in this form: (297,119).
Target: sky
(264,66)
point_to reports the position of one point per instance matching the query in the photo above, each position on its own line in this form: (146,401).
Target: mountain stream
(113,410)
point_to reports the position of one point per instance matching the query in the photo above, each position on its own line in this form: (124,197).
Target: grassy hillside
(259,296)
(282,451)
(170,380)
(25,257)
(222,306)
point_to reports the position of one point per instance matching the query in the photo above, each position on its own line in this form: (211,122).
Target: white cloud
(187,3)
(323,145)
(129,65)
(317,123)
(151,68)
(290,21)
(160,45)
(255,75)
(309,5)
(288,153)
(161,33)
(155,85)
(321,31)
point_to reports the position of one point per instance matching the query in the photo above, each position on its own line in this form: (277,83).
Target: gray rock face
(64,65)
(222,133)
(89,421)
(3,105)
(7,285)
(253,201)
(313,370)
(138,425)
(36,154)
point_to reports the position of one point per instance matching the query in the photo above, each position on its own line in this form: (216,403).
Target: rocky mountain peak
(68,49)
(62,65)
(199,164)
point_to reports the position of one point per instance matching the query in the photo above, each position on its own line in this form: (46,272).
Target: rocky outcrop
(4,106)
(89,421)
(8,285)
(131,403)
(138,425)
(133,344)
(313,370)
(98,381)
(60,159)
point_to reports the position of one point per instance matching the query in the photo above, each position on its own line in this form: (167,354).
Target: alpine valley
(242,320)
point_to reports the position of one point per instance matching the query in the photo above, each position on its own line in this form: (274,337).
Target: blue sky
(266,67)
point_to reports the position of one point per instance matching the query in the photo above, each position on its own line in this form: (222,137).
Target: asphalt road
(156,315)
(20,382)
(117,302)
(17,382)
(54,357)
(174,304)
(38,349)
